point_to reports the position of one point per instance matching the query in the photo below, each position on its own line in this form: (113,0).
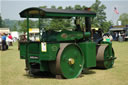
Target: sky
(10,9)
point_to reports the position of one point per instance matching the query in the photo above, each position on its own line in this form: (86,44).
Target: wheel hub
(71,61)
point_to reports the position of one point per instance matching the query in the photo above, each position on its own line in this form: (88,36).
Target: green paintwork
(30,50)
(108,54)
(34,49)
(64,35)
(89,51)
(68,15)
(51,53)
(23,49)
(71,70)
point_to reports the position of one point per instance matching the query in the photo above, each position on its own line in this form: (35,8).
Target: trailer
(64,53)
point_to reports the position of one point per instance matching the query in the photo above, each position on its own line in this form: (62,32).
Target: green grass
(12,70)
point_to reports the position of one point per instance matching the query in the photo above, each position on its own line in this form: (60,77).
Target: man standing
(10,40)
(4,47)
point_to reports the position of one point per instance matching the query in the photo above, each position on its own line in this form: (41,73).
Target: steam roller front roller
(69,61)
(105,57)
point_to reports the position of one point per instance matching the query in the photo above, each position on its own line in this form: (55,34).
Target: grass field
(12,70)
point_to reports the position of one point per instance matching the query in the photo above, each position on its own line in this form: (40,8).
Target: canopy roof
(117,29)
(35,12)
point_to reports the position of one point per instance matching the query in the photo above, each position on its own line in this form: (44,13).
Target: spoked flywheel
(105,57)
(70,61)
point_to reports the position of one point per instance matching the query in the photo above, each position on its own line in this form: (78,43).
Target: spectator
(4,45)
(107,38)
(114,36)
(120,38)
(10,36)
(117,36)
(9,40)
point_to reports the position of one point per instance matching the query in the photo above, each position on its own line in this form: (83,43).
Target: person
(100,31)
(10,40)
(120,38)
(107,38)
(117,36)
(4,46)
(10,36)
(114,36)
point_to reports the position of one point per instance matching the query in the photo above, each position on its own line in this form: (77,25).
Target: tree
(60,7)
(23,25)
(15,27)
(100,14)
(107,25)
(124,18)
(0,21)
(68,7)
(100,20)
(77,7)
(43,6)
(53,6)
(56,23)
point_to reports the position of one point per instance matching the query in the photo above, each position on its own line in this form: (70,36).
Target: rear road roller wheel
(104,58)
(69,61)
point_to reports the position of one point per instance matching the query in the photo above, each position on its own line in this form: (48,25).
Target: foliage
(100,20)
(2,23)
(124,18)
(43,6)
(68,7)
(15,27)
(11,24)
(23,25)
(106,25)
(100,14)
(56,23)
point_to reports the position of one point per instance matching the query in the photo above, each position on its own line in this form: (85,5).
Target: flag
(116,11)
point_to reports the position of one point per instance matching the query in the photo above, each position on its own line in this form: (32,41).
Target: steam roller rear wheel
(104,59)
(69,61)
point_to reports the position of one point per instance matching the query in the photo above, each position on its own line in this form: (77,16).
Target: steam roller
(64,51)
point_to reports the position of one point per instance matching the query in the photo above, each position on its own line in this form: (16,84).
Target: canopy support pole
(27,27)
(39,27)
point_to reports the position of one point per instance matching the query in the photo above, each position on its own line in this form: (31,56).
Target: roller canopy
(35,12)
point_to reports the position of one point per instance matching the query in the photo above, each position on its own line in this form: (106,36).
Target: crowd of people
(118,36)
(114,36)
(5,41)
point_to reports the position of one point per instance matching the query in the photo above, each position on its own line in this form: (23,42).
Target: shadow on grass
(99,68)
(51,76)
(40,75)
(88,71)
